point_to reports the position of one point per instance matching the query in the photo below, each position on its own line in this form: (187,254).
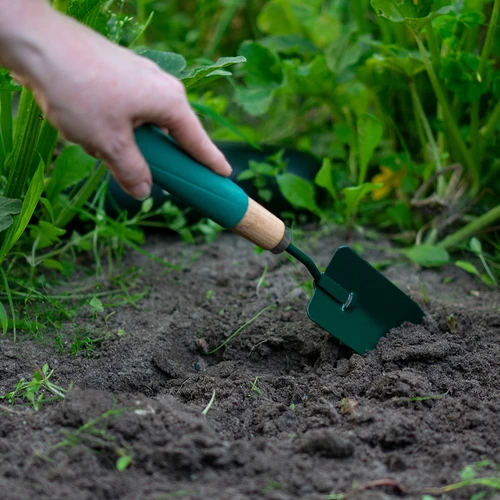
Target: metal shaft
(322,280)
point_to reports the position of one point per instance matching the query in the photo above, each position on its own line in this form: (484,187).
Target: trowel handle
(214,196)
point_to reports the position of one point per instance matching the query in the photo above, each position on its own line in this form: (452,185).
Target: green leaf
(29,204)
(255,101)
(298,192)
(4,319)
(263,74)
(193,77)
(460,71)
(123,462)
(96,305)
(262,67)
(6,81)
(405,62)
(85,11)
(407,10)
(71,167)
(290,44)
(147,205)
(277,18)
(52,264)
(427,255)
(221,120)
(353,196)
(475,246)
(45,234)
(324,178)
(467,267)
(343,53)
(8,206)
(168,61)
(245,175)
(370,132)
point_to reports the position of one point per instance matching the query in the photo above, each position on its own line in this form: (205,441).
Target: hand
(96,93)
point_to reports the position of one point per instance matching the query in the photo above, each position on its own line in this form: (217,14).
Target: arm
(96,93)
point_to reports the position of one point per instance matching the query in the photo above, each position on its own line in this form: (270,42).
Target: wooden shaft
(263,228)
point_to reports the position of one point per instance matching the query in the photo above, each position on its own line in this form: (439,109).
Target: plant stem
(68,213)
(485,53)
(433,47)
(451,125)
(422,118)
(11,303)
(471,228)
(6,121)
(490,128)
(222,26)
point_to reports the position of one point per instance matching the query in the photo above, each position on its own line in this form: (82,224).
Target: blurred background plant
(397,103)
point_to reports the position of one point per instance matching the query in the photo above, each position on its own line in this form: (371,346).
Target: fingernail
(229,169)
(142,191)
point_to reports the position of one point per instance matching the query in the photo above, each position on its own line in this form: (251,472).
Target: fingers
(128,166)
(185,127)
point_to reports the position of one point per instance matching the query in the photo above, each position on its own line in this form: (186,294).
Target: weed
(254,386)
(241,328)
(35,391)
(209,405)
(468,477)
(93,435)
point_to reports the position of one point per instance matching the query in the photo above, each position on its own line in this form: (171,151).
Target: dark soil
(296,415)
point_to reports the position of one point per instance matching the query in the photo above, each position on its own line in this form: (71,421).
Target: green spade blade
(377,305)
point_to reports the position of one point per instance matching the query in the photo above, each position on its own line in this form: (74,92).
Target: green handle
(212,195)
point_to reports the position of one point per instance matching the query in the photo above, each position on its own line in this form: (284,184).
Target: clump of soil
(295,415)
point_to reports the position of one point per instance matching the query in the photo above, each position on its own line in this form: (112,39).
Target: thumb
(128,166)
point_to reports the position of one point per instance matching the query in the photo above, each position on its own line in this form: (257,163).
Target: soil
(295,414)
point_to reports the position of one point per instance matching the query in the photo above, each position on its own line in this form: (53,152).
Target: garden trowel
(352,300)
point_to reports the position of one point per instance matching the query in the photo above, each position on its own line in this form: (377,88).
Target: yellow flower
(390,180)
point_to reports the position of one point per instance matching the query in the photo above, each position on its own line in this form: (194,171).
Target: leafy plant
(36,390)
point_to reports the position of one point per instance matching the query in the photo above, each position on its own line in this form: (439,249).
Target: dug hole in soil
(295,415)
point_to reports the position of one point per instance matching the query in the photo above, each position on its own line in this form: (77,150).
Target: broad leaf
(344,52)
(290,44)
(298,192)
(45,233)
(221,120)
(467,267)
(71,166)
(460,74)
(255,100)
(408,10)
(8,207)
(168,61)
(96,305)
(354,195)
(262,67)
(475,246)
(427,255)
(404,62)
(85,11)
(277,18)
(192,77)
(369,135)
(324,178)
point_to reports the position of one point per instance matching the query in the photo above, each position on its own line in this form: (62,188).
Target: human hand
(96,93)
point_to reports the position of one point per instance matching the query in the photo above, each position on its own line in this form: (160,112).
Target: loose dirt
(295,415)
